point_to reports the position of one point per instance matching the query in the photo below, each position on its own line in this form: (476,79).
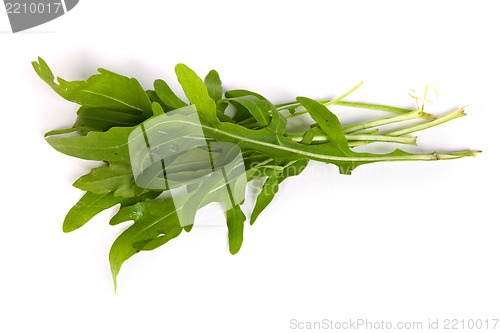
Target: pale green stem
(358,143)
(410,140)
(326,103)
(452,115)
(373,131)
(384,121)
(335,100)
(377,107)
(359,137)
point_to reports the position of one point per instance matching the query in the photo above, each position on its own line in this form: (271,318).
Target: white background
(394,241)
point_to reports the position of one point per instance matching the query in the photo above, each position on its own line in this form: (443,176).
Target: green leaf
(156,140)
(258,108)
(327,121)
(116,177)
(214,85)
(245,114)
(197,93)
(157,109)
(278,121)
(103,119)
(155,223)
(271,186)
(107,146)
(265,196)
(158,222)
(109,91)
(44,72)
(167,96)
(222,116)
(235,222)
(153,97)
(308,136)
(92,204)
(108,99)
(106,90)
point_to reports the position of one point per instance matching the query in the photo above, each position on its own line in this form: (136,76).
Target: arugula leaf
(167,96)
(258,108)
(92,204)
(117,177)
(266,195)
(214,85)
(43,71)
(153,141)
(107,146)
(271,186)
(278,122)
(197,93)
(327,121)
(243,113)
(102,119)
(107,90)
(235,222)
(155,223)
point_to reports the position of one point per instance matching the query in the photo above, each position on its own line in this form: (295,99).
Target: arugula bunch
(112,106)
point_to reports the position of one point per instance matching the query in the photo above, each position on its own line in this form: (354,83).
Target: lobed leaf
(99,146)
(155,223)
(92,204)
(271,186)
(117,177)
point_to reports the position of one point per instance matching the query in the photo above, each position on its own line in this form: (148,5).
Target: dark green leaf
(102,119)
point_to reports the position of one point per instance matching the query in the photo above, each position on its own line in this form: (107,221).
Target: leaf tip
(234,250)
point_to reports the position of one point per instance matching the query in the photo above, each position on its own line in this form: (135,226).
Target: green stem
(410,140)
(336,100)
(384,121)
(328,102)
(358,137)
(452,115)
(376,107)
